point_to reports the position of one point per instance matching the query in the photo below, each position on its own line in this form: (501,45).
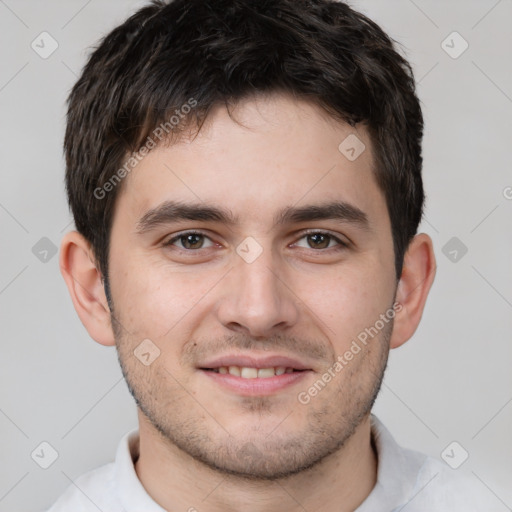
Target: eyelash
(340,243)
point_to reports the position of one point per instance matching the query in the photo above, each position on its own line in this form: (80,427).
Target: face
(256,248)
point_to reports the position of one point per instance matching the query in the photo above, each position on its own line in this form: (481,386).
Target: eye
(320,240)
(191,240)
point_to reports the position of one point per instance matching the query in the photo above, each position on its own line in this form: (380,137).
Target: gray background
(451,382)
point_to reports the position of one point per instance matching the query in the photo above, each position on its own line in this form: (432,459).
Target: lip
(253,361)
(256,387)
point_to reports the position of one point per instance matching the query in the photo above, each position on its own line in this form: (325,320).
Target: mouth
(248,372)
(254,375)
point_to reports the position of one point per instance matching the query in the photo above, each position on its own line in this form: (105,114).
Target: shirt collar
(397,471)
(131,492)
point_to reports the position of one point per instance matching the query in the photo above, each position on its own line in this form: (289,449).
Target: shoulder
(91,491)
(443,489)
(415,482)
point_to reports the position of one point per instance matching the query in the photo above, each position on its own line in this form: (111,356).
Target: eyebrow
(173,211)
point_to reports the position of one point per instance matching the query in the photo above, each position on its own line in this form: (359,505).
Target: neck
(339,483)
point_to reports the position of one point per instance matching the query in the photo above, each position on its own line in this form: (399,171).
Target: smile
(246,372)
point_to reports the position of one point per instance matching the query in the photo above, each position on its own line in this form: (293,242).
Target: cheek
(155,300)
(351,301)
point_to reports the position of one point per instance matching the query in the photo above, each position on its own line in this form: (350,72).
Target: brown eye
(318,240)
(190,241)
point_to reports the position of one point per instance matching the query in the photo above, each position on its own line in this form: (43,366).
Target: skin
(205,447)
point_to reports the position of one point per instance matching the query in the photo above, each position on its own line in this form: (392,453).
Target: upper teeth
(253,373)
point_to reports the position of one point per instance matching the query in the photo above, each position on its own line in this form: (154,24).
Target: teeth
(234,370)
(248,373)
(266,372)
(253,373)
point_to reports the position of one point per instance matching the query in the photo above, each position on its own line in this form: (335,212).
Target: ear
(417,277)
(84,282)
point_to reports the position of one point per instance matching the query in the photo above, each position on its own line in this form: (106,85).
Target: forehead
(267,153)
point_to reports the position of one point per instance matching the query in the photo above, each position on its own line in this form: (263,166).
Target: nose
(256,299)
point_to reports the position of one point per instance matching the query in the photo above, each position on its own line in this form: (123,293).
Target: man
(245,179)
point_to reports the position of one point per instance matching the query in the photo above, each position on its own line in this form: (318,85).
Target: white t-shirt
(407,481)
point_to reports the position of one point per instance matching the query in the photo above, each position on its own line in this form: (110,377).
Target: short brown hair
(217,52)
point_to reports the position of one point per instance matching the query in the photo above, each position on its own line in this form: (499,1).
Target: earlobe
(84,282)
(415,282)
